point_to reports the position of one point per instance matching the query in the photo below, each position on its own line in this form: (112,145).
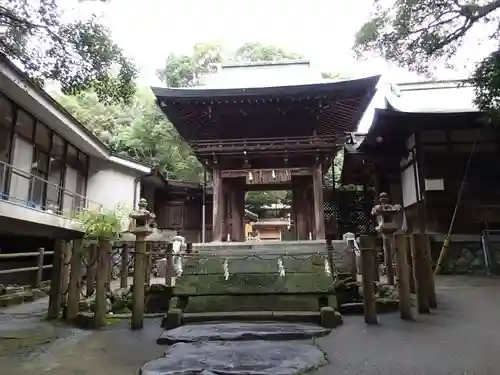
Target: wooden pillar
(309,210)
(75,279)
(39,271)
(91,270)
(430,273)
(238,211)
(66,266)
(218,206)
(402,244)
(102,274)
(124,266)
(54,309)
(367,260)
(376,263)
(420,271)
(301,211)
(319,208)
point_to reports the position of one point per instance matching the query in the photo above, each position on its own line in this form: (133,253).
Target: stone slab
(237,358)
(266,283)
(241,331)
(254,263)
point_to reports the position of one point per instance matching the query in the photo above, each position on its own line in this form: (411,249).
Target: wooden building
(178,206)
(267,138)
(421,158)
(270,229)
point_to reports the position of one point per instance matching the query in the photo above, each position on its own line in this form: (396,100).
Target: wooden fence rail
(38,268)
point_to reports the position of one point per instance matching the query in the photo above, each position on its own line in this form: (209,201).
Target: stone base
(330,318)
(173,319)
(21,296)
(382,305)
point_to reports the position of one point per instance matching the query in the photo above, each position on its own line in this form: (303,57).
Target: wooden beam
(238,210)
(230,173)
(319,208)
(218,206)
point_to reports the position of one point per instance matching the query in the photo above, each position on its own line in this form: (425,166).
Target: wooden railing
(38,268)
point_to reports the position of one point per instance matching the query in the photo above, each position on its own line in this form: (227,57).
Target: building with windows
(51,166)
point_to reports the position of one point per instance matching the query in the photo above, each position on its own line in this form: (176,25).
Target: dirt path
(461,337)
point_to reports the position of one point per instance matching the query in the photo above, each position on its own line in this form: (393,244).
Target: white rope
(281,268)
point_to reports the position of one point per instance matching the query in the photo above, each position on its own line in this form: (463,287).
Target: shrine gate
(271,138)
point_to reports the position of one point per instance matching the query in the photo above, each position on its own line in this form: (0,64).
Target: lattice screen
(351,210)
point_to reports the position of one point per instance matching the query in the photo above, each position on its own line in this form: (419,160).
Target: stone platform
(252,276)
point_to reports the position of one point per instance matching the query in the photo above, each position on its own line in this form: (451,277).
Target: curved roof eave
(222,93)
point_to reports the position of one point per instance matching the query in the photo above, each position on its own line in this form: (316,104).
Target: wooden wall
(181,210)
(444,155)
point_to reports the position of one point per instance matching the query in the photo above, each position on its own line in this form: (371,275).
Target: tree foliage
(138,130)
(418,33)
(79,54)
(187,70)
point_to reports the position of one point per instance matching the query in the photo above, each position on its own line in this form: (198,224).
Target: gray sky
(322,30)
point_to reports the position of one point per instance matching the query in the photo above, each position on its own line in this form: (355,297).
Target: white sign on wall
(435,184)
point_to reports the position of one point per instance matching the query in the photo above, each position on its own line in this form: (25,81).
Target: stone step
(281,316)
(240,330)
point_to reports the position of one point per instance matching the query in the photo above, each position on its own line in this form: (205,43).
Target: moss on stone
(330,318)
(28,296)
(11,299)
(173,319)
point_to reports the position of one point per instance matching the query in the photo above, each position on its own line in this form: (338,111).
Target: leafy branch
(80,55)
(102,225)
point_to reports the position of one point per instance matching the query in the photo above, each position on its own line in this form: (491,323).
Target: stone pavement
(460,337)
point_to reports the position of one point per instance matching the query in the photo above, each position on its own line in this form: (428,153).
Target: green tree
(138,130)
(79,54)
(187,70)
(418,33)
(256,52)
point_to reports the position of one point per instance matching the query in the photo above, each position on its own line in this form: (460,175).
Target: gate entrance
(274,138)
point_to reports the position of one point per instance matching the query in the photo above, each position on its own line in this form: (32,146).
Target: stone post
(367,260)
(141,228)
(350,239)
(385,213)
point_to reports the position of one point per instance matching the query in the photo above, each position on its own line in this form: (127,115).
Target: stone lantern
(386,225)
(141,227)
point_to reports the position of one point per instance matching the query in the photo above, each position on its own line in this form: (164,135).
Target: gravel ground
(460,337)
